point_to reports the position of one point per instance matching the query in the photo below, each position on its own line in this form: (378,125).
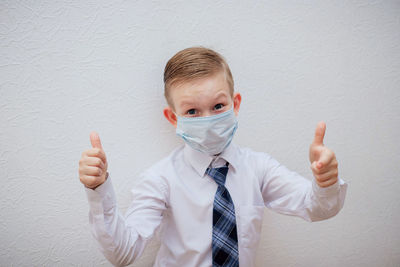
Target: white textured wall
(70,67)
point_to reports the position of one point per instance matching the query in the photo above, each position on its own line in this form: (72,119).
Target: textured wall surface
(70,67)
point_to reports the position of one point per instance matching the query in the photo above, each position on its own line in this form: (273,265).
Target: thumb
(95,140)
(319,133)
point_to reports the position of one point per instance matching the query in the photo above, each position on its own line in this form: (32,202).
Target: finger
(95,140)
(89,180)
(94,161)
(319,133)
(328,182)
(319,170)
(97,152)
(325,159)
(314,168)
(92,171)
(323,177)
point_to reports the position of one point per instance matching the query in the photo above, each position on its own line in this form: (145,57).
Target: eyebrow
(220,94)
(186,103)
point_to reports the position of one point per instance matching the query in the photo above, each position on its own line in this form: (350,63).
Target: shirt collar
(230,154)
(200,161)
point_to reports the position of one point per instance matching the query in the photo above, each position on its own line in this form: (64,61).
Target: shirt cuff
(327,191)
(102,198)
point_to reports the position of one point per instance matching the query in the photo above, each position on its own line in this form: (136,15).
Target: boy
(208,196)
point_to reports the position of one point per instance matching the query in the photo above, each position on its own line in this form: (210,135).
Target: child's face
(204,97)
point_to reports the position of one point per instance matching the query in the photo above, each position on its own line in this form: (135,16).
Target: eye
(218,106)
(191,111)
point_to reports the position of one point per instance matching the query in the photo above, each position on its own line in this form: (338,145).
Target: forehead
(200,86)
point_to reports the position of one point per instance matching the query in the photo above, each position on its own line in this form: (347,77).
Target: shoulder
(166,163)
(164,166)
(154,179)
(251,154)
(259,161)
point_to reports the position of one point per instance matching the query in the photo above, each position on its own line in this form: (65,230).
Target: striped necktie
(224,237)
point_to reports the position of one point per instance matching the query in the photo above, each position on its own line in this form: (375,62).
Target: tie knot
(218,174)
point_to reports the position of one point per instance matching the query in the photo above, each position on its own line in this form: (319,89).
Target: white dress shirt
(175,199)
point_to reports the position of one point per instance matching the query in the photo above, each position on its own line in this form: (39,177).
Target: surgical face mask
(211,134)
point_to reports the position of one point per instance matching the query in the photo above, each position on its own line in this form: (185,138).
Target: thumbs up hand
(323,161)
(93,164)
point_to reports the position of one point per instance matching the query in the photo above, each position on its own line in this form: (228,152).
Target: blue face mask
(211,134)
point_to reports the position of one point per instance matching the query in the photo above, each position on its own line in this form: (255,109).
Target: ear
(170,116)
(237,99)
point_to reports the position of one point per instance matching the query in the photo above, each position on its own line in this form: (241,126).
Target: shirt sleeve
(122,239)
(289,193)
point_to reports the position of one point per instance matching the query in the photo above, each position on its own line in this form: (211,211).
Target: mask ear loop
(176,115)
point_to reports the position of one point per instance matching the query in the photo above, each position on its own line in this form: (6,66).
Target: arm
(288,192)
(123,239)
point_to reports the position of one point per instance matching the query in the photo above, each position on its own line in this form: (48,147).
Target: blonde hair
(194,63)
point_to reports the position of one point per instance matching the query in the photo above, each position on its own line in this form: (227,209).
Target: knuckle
(324,185)
(320,184)
(82,161)
(85,179)
(98,161)
(328,183)
(331,182)
(336,164)
(93,151)
(91,182)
